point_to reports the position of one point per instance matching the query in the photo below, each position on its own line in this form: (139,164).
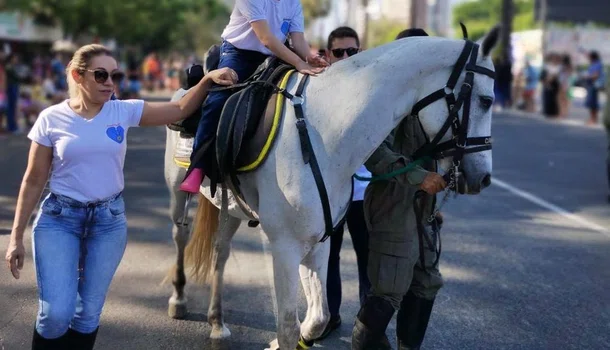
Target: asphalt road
(525,263)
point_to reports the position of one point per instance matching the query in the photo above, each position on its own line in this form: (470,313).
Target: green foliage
(315,8)
(480,16)
(383,31)
(153,24)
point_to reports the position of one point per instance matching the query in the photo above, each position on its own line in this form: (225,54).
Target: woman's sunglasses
(101,76)
(338,53)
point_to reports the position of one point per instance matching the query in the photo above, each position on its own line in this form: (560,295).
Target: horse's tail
(199,252)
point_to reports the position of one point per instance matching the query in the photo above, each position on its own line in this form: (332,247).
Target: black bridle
(460,143)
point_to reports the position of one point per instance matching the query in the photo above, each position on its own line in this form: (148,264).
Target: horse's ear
(464,31)
(490,40)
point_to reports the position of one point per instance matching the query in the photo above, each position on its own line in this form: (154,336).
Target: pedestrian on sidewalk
(550,85)
(80,232)
(595,80)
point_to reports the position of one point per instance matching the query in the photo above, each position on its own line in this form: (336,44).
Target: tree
(480,16)
(383,31)
(313,9)
(152,24)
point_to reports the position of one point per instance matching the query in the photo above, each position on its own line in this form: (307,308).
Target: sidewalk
(577,116)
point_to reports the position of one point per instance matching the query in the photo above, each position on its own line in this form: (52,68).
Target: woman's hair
(80,62)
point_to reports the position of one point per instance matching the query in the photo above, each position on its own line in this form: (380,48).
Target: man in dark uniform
(402,278)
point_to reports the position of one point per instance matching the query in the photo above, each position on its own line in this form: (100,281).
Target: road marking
(552,207)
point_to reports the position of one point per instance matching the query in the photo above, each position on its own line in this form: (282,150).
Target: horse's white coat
(350,109)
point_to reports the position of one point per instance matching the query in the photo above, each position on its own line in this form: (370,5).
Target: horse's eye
(486,101)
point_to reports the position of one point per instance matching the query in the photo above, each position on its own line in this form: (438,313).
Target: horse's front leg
(313,271)
(222,247)
(287,254)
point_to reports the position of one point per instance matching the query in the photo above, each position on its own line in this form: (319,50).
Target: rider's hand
(305,68)
(15,253)
(433,183)
(317,61)
(223,76)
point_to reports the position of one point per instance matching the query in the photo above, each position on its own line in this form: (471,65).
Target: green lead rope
(390,175)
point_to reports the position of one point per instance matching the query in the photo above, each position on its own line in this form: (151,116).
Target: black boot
(412,321)
(40,343)
(80,341)
(371,324)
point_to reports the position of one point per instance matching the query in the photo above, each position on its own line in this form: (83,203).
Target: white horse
(349,110)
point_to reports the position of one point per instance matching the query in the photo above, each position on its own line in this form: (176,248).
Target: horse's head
(457,118)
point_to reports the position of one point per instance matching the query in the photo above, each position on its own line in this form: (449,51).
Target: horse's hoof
(177,311)
(220,332)
(274,345)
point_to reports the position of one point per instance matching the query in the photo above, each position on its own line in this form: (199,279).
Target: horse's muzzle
(466,187)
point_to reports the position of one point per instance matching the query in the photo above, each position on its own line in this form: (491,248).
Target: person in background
(550,85)
(531,83)
(595,80)
(342,43)
(15,75)
(565,85)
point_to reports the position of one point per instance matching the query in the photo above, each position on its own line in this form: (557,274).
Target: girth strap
(309,157)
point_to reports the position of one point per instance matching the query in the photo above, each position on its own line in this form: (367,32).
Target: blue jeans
(12,99)
(77,248)
(244,63)
(360,239)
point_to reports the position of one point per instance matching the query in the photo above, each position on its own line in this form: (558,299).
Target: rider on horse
(255,31)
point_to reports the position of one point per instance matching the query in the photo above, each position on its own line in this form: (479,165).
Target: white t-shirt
(283,17)
(360,186)
(88,155)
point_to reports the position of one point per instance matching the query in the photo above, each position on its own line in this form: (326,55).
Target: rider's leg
(244,63)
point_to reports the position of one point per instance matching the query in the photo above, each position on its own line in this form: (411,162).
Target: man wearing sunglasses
(403,270)
(343,42)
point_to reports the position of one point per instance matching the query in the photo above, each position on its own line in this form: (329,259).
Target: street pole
(418,13)
(543,24)
(507,28)
(365,37)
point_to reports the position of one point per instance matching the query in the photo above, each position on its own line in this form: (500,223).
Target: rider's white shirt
(283,17)
(360,186)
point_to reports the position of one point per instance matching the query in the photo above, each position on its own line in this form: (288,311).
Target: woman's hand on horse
(306,68)
(15,253)
(433,183)
(223,76)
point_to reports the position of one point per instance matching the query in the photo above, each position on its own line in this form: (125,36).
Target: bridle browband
(460,143)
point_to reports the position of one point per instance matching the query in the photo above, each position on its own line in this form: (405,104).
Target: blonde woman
(80,232)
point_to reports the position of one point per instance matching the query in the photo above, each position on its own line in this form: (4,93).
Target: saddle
(249,119)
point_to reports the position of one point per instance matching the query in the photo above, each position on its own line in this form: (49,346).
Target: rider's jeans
(77,248)
(244,63)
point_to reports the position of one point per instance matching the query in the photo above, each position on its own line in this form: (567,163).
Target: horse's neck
(356,112)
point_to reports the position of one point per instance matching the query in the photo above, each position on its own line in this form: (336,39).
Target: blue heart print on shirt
(116,133)
(285,27)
